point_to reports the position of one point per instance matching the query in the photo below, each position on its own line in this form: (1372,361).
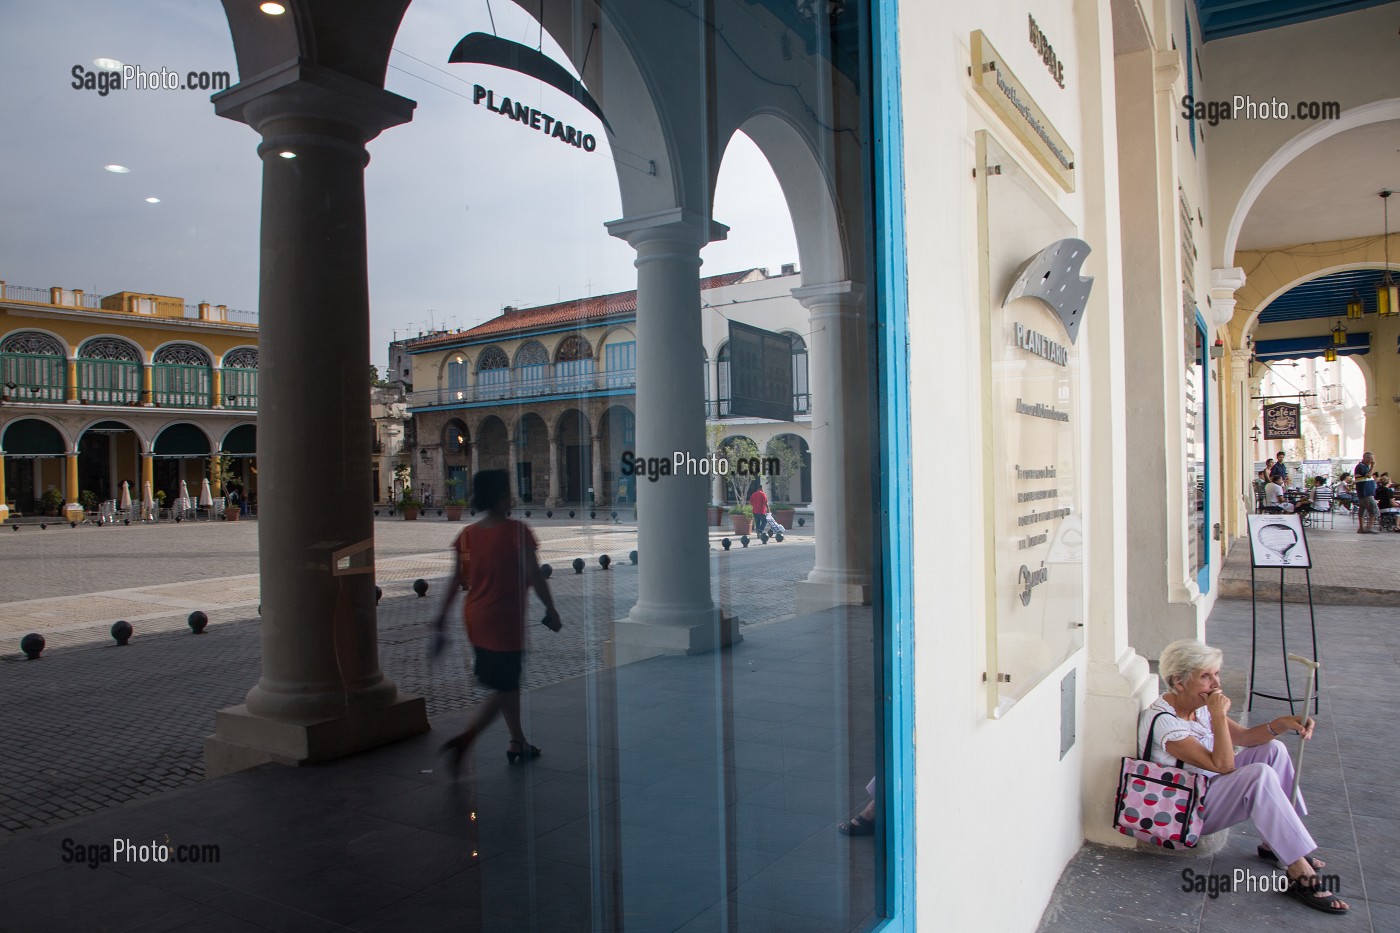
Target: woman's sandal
(521,750)
(1269,855)
(856,826)
(1307,894)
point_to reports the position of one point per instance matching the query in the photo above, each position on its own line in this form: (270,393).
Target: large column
(216,485)
(674,611)
(475,467)
(553,500)
(72,510)
(513,453)
(216,397)
(840,447)
(70,382)
(146,384)
(322,694)
(599,494)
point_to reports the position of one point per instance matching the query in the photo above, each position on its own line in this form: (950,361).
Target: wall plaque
(1008,97)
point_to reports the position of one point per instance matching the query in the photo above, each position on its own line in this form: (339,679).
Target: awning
(182,440)
(241,441)
(1300,348)
(32,438)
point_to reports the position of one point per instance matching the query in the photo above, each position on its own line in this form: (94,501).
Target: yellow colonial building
(131,387)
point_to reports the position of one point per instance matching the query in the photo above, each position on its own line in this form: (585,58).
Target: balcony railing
(33,377)
(240,388)
(175,385)
(580,384)
(719,408)
(30,377)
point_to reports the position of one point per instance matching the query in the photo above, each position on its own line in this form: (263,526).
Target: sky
(467,212)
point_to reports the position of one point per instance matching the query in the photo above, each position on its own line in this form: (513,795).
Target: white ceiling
(1330,191)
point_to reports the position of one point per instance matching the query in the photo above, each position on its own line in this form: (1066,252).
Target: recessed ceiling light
(153,200)
(273,9)
(117,169)
(106,64)
(287,154)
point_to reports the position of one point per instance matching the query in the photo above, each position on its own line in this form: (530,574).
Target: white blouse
(1172,728)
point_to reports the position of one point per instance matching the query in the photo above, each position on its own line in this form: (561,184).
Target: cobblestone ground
(92,725)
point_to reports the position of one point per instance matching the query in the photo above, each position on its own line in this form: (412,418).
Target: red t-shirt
(495,566)
(759,502)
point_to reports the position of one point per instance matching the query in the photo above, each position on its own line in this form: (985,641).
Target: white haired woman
(1194,731)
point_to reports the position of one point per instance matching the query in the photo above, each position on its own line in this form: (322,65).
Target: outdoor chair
(1388,517)
(1322,508)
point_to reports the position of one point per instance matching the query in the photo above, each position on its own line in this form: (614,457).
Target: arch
(493,357)
(531,353)
(182,439)
(110,425)
(34,343)
(809,190)
(455,436)
(241,358)
(745,489)
(1251,323)
(574,365)
(722,395)
(531,438)
(620,333)
(794,488)
(241,440)
(491,442)
(453,371)
(531,370)
(183,353)
(801,386)
(617,431)
(35,436)
(1377,111)
(573,347)
(115,349)
(573,436)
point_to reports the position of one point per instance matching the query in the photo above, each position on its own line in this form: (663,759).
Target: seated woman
(1196,733)
(1274,500)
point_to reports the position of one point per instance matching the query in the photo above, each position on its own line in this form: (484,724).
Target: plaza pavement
(1348,772)
(620,823)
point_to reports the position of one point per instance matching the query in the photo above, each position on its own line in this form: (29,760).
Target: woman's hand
(552,620)
(1218,704)
(1294,724)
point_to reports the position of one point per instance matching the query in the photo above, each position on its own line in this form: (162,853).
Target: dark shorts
(499,670)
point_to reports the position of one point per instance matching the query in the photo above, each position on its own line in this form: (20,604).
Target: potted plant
(784,514)
(160,500)
(455,503)
(410,506)
(52,500)
(88,499)
(715,510)
(742,517)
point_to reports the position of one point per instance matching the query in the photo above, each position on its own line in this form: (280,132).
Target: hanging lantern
(1339,335)
(1330,355)
(1387,292)
(1355,309)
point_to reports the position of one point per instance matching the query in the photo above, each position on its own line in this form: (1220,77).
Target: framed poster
(1278,541)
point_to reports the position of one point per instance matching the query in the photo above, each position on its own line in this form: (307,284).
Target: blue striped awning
(1221,18)
(1299,348)
(1326,296)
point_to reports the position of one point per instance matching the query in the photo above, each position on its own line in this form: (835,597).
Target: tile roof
(581,310)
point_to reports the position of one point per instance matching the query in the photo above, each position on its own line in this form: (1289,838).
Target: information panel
(760,372)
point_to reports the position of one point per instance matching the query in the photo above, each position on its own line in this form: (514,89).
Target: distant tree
(374,379)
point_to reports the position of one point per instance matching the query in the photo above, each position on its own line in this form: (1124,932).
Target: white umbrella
(184,491)
(124,503)
(148,502)
(206,499)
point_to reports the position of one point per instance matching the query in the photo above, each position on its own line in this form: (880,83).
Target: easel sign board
(1278,541)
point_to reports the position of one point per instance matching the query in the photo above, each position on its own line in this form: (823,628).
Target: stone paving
(91,725)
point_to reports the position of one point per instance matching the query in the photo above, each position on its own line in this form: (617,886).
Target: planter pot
(716,513)
(231,515)
(410,515)
(743,524)
(454,513)
(785,517)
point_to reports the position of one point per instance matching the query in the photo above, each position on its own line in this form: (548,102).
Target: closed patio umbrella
(148,502)
(184,492)
(206,498)
(124,503)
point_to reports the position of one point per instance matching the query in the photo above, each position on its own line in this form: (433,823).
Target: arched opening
(181,455)
(492,440)
(456,459)
(617,428)
(34,452)
(531,369)
(791,486)
(32,367)
(573,364)
(492,374)
(109,371)
(238,452)
(182,376)
(109,453)
(239,379)
(532,458)
(575,445)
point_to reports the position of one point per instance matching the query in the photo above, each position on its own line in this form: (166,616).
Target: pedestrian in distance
(1369,513)
(497,564)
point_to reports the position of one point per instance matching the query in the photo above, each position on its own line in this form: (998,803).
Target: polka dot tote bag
(1157,804)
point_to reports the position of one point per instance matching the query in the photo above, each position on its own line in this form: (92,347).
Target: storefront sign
(533,119)
(1046,52)
(1008,97)
(1282,421)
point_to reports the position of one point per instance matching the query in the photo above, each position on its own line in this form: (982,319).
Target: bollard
(604,561)
(121,631)
(578,565)
(198,620)
(633,558)
(744,540)
(378,594)
(420,586)
(32,645)
(546,571)
(726,543)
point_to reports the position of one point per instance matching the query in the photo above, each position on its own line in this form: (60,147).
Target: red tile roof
(581,310)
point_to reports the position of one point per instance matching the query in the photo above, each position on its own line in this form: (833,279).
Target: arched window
(573,364)
(801,394)
(32,367)
(532,367)
(240,378)
(182,376)
(722,382)
(620,364)
(109,371)
(454,436)
(493,373)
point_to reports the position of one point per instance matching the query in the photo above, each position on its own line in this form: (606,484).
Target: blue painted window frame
(1207,448)
(895,539)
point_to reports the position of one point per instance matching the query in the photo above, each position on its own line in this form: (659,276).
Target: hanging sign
(1282,421)
(760,372)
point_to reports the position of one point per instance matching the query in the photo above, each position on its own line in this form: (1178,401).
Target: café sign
(1282,420)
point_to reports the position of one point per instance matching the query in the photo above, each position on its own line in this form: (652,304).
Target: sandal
(521,750)
(1269,855)
(856,826)
(1327,903)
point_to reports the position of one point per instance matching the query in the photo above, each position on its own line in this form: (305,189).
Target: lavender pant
(1258,790)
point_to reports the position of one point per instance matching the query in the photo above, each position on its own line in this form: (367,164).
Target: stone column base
(4,512)
(813,596)
(242,740)
(1116,693)
(637,639)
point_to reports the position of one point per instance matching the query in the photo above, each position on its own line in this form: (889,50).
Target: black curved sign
(479,48)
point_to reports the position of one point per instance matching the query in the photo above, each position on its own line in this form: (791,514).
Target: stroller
(768,526)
